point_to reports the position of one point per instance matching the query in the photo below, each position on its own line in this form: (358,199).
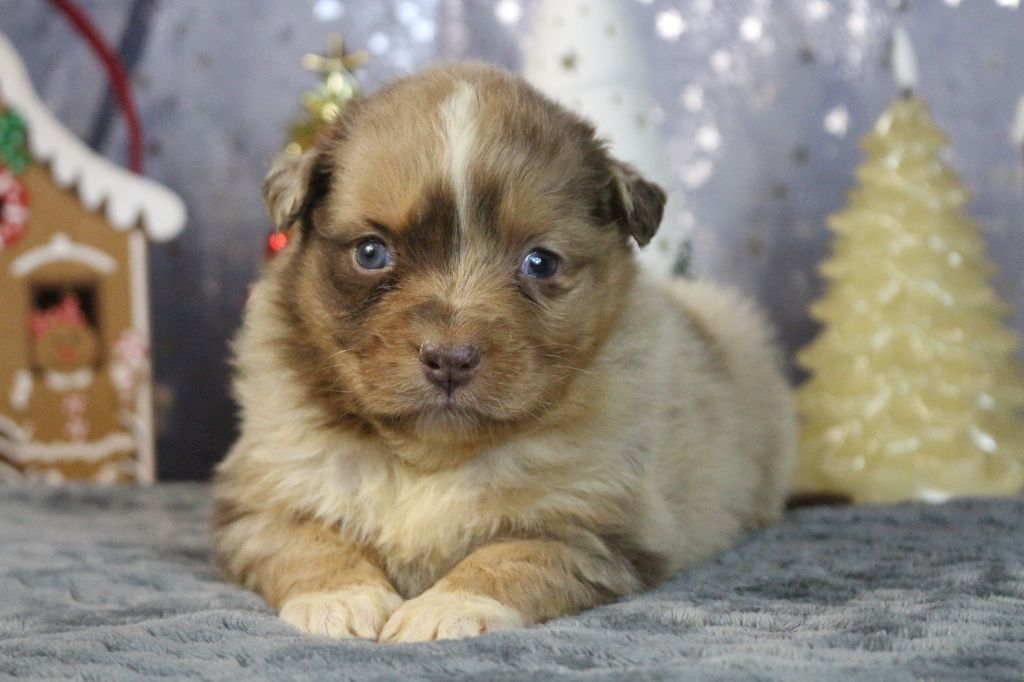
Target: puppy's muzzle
(449,367)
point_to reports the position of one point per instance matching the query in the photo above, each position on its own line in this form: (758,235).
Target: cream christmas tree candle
(915,392)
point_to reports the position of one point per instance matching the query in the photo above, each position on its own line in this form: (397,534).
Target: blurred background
(760,104)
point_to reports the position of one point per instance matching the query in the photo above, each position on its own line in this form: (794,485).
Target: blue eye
(539,264)
(372,254)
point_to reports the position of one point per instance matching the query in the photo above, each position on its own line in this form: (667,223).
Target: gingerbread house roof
(128,200)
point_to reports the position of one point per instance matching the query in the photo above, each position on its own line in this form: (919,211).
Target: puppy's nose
(449,367)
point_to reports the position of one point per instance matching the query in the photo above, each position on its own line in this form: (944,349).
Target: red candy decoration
(13,208)
(276,241)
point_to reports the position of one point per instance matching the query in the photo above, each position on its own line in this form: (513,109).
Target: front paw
(448,615)
(356,611)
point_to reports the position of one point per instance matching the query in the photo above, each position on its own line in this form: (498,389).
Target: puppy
(463,407)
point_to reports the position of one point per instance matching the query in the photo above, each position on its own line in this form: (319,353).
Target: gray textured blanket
(117,584)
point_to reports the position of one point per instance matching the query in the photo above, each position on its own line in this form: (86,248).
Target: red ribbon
(118,77)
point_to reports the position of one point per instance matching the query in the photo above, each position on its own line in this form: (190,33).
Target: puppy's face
(464,248)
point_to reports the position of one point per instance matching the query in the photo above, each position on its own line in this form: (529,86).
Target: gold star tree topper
(331,96)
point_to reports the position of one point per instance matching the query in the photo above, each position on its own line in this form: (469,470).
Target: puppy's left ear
(637,204)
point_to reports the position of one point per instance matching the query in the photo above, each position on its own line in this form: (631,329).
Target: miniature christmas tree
(323,104)
(328,100)
(915,392)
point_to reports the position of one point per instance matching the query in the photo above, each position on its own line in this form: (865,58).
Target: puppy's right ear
(295,186)
(285,186)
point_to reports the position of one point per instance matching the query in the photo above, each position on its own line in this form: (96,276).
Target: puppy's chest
(419,524)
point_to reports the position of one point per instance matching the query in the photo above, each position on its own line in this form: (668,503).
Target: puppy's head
(463,250)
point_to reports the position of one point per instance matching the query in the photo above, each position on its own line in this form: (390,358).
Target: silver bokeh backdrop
(760,103)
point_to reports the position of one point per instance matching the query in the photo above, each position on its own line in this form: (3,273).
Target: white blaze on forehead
(458,120)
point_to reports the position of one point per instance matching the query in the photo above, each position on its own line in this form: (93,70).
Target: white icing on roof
(128,199)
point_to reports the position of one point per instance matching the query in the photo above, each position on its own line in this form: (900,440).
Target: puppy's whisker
(565,346)
(336,354)
(329,364)
(576,369)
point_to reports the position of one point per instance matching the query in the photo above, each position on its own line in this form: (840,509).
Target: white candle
(904,63)
(1017,134)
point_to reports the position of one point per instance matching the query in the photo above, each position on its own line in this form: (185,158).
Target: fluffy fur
(617,429)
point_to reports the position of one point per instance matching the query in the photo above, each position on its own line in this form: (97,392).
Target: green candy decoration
(14,142)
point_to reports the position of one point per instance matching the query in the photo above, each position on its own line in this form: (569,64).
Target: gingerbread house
(75,396)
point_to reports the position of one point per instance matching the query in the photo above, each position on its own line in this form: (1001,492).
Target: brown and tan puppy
(463,407)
